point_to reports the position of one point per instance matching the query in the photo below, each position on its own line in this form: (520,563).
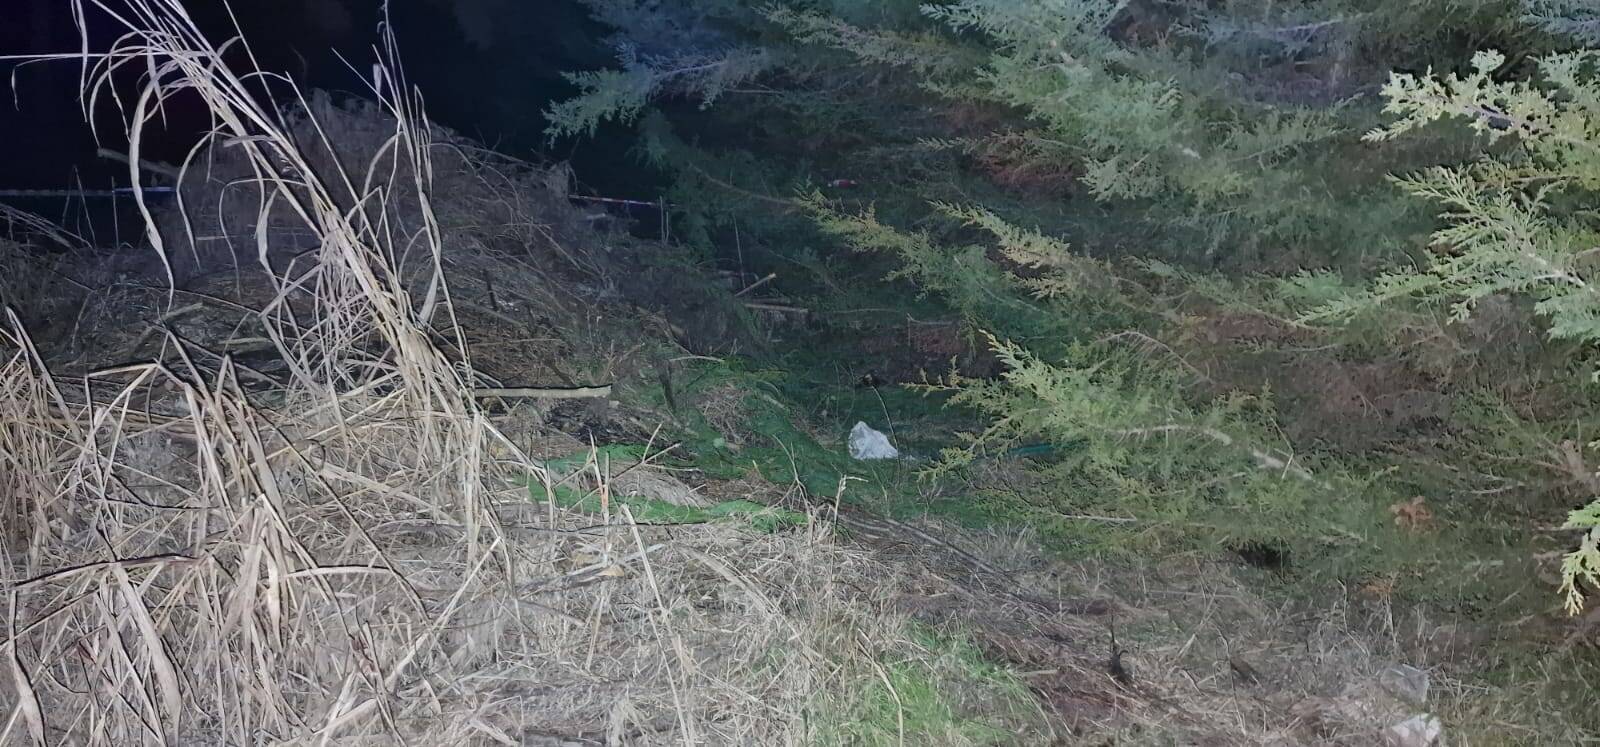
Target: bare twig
(757,284)
(582,392)
(1266,460)
(776,307)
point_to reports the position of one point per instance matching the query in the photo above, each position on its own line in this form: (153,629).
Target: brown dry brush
(185,564)
(177,537)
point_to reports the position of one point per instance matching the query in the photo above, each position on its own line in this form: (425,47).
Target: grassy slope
(782,415)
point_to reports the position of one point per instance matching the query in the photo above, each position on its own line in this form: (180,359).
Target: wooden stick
(544,392)
(170,172)
(786,204)
(775,307)
(613,200)
(757,284)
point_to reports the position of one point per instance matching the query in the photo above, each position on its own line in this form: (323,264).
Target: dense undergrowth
(1309,278)
(1190,456)
(1149,216)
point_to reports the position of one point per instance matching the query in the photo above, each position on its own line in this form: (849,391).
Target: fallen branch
(778,201)
(1266,460)
(775,307)
(614,201)
(158,326)
(170,172)
(757,284)
(577,392)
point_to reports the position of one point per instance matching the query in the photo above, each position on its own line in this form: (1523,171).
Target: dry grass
(351,556)
(1214,660)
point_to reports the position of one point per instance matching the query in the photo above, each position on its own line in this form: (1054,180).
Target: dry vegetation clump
(478,201)
(198,570)
(1342,667)
(1202,656)
(723,407)
(335,543)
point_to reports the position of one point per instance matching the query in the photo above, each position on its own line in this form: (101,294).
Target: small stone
(1421,730)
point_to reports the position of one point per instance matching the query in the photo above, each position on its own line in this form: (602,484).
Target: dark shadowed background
(486,68)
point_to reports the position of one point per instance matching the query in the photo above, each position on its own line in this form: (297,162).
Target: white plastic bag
(866,443)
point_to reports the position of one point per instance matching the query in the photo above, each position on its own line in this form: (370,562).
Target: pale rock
(866,443)
(1421,730)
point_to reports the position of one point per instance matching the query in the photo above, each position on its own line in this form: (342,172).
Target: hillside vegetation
(1270,270)
(1313,282)
(1239,357)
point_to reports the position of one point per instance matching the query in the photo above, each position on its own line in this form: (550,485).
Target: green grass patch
(939,690)
(649,510)
(769,441)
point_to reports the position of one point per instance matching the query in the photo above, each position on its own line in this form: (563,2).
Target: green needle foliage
(1515,223)
(1191,230)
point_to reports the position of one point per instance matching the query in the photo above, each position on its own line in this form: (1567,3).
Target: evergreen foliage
(1173,135)
(1136,447)
(1578,19)
(1143,455)
(1515,223)
(1160,127)
(1211,182)
(622,94)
